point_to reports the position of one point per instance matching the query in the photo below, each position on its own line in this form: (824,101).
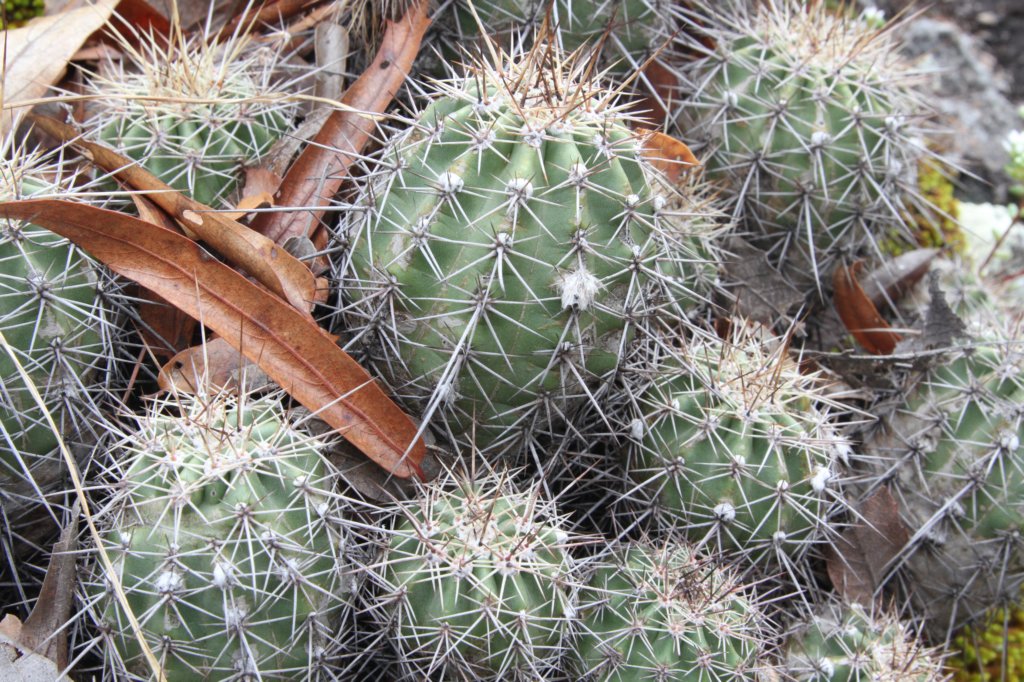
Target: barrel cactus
(950,450)
(191,114)
(477,582)
(230,545)
(852,644)
(734,447)
(663,613)
(54,323)
(810,124)
(509,246)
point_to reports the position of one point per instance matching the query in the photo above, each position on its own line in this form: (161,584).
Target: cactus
(477,582)
(951,452)
(230,545)
(190,114)
(730,444)
(55,326)
(662,613)
(810,124)
(514,240)
(14,13)
(991,650)
(851,644)
(631,30)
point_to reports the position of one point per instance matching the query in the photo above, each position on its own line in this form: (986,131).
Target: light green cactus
(192,114)
(513,242)
(229,542)
(852,644)
(812,127)
(663,613)
(477,582)
(736,448)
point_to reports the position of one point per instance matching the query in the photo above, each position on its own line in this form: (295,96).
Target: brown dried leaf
(313,180)
(858,563)
(242,247)
(214,366)
(303,359)
(37,54)
(760,291)
(859,314)
(669,155)
(44,631)
(660,86)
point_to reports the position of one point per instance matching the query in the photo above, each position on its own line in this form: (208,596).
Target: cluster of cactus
(54,329)
(991,650)
(228,542)
(808,121)
(513,243)
(736,448)
(852,644)
(663,613)
(477,582)
(191,114)
(951,452)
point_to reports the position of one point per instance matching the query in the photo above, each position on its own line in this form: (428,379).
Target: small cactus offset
(735,448)
(662,613)
(951,452)
(810,124)
(851,644)
(54,325)
(229,543)
(514,243)
(192,114)
(477,582)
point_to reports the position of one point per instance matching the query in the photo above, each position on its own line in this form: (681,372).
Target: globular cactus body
(851,644)
(662,613)
(192,116)
(512,249)
(477,582)
(52,319)
(732,446)
(951,453)
(810,124)
(229,544)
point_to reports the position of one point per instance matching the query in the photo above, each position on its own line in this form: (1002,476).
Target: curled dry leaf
(859,315)
(859,561)
(316,175)
(263,259)
(287,344)
(888,283)
(660,85)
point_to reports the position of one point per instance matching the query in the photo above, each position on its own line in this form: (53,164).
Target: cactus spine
(229,543)
(515,241)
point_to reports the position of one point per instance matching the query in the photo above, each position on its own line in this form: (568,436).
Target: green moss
(981,649)
(933,221)
(18,12)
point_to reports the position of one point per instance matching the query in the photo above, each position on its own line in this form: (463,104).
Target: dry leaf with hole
(212,367)
(287,344)
(38,54)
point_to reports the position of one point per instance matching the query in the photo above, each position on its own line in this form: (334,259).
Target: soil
(998,24)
